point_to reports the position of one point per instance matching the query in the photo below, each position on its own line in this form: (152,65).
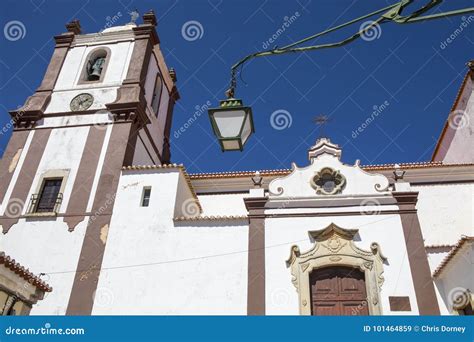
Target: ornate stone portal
(334,246)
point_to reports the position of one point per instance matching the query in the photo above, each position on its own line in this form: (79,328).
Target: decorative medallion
(328,181)
(81,102)
(334,244)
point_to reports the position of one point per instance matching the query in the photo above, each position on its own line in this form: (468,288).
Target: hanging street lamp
(233,123)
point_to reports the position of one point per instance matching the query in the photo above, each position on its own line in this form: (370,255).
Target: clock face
(82,102)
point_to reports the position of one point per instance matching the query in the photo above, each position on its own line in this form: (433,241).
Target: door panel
(326,309)
(338,291)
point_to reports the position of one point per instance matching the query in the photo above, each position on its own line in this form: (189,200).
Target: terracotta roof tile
(451,254)
(284,172)
(23,272)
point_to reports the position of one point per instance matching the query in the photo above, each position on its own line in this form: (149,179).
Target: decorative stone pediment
(334,246)
(327,175)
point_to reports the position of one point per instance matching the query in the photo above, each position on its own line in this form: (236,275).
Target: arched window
(155,100)
(95,65)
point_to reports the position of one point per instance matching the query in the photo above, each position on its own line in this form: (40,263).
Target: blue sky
(409,74)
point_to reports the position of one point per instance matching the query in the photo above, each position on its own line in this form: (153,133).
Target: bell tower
(106,101)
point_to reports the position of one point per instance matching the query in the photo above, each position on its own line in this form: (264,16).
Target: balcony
(44,205)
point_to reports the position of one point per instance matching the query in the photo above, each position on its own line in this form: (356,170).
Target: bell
(94,75)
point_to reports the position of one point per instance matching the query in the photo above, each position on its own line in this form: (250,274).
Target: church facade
(93,207)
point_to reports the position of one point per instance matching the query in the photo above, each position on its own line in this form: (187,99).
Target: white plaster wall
(435,258)
(67,86)
(456,277)
(458,150)
(60,101)
(46,246)
(223,205)
(16,172)
(117,68)
(63,151)
(445,212)
(152,266)
(282,233)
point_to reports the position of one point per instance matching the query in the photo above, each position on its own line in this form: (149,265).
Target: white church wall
(463,123)
(200,268)
(445,211)
(46,246)
(282,233)
(34,240)
(63,152)
(16,172)
(456,278)
(435,258)
(115,73)
(223,204)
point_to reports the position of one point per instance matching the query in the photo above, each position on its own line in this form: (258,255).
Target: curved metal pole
(392,13)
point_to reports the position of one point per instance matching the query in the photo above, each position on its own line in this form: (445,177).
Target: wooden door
(338,291)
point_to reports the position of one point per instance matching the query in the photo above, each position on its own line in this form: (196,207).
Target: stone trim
(334,246)
(35,105)
(417,257)
(211,218)
(84,178)
(62,174)
(81,300)
(256,255)
(13,152)
(460,302)
(166,150)
(83,76)
(18,198)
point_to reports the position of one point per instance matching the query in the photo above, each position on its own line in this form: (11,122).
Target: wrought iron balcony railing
(41,204)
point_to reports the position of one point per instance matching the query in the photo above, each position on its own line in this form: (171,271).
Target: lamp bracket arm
(392,13)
